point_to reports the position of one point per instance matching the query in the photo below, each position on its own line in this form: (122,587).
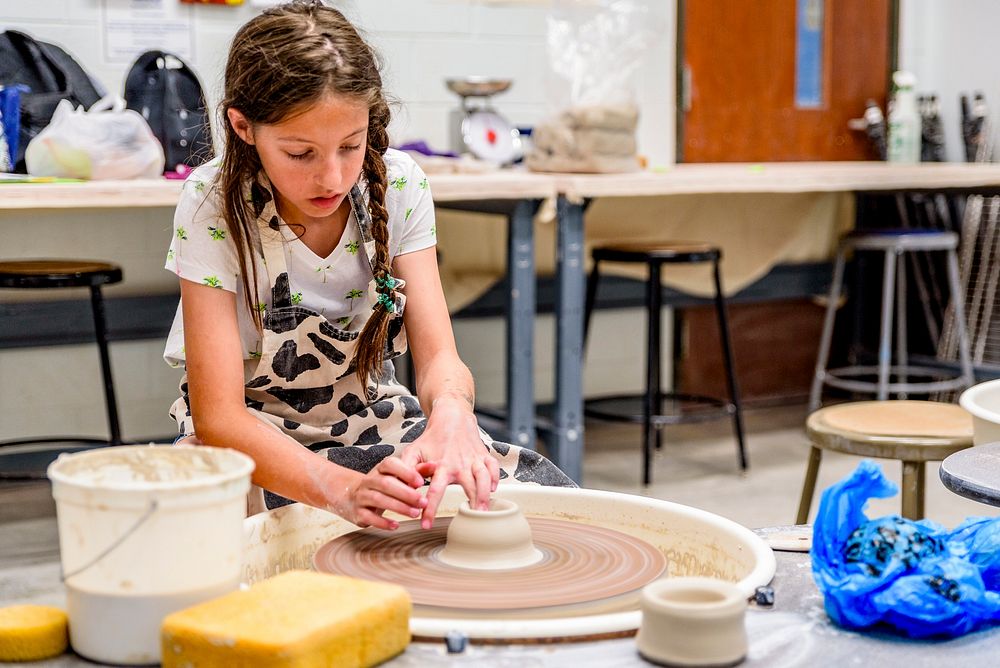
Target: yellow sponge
(32,632)
(299,618)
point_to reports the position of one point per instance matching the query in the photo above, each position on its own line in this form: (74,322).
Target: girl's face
(313,158)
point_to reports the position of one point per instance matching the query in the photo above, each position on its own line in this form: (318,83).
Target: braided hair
(372,342)
(280,63)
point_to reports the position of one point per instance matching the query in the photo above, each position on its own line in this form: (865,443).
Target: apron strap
(363,219)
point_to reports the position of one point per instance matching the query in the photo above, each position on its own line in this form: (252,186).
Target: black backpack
(162,88)
(51,74)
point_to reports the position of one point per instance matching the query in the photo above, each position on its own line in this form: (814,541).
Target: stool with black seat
(893,379)
(686,407)
(28,458)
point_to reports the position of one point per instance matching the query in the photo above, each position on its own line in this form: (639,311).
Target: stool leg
(588,308)
(902,356)
(921,489)
(727,359)
(652,368)
(885,340)
(100,329)
(913,490)
(958,305)
(816,393)
(809,485)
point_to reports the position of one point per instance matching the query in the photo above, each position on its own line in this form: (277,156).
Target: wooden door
(776,80)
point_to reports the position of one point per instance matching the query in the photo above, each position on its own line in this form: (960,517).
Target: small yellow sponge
(32,632)
(299,618)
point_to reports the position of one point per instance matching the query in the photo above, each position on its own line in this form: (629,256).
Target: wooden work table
(517,195)
(780,177)
(685,179)
(165,193)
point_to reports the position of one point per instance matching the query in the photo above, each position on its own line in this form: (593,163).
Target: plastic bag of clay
(596,48)
(107,141)
(916,578)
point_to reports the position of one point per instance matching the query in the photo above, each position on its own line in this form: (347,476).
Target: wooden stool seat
(664,251)
(57,273)
(913,432)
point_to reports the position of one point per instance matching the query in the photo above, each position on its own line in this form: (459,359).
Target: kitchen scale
(476,127)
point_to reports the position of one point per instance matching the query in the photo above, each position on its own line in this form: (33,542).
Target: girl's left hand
(451,451)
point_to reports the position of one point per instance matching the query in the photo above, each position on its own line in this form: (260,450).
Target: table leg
(521,324)
(567,448)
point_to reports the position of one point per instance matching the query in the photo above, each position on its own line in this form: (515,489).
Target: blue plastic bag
(915,577)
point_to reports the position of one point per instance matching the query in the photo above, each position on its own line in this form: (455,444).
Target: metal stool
(893,243)
(28,458)
(651,415)
(913,432)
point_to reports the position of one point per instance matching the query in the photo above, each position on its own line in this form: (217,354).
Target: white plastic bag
(106,142)
(596,48)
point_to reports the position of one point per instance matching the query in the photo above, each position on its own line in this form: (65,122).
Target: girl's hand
(451,451)
(390,485)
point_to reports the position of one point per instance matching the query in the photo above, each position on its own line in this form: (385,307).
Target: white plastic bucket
(983,402)
(145,531)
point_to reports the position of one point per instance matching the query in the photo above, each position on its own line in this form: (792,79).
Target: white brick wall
(423,42)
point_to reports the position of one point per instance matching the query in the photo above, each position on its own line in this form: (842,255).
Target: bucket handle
(153,506)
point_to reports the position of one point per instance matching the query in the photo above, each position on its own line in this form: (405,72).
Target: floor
(697,467)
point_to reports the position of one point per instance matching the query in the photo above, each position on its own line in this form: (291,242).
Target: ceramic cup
(494,539)
(692,621)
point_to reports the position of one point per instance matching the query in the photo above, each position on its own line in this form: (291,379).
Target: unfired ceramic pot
(693,621)
(494,539)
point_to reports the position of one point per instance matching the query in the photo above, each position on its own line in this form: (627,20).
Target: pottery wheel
(581,563)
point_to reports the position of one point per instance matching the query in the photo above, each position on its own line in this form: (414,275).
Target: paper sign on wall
(131,27)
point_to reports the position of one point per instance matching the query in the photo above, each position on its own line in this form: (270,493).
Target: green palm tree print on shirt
(352,295)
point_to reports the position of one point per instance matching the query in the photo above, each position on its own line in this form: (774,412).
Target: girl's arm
(213,352)
(450,446)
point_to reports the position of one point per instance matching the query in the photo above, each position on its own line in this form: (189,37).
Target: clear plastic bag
(916,578)
(595,50)
(105,142)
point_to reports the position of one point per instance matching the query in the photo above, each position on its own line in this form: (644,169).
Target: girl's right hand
(390,485)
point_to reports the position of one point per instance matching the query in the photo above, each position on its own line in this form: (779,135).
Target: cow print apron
(306,386)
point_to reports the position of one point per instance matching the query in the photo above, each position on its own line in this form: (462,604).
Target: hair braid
(372,342)
(240,164)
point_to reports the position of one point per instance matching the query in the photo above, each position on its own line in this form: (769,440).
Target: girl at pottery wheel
(306,261)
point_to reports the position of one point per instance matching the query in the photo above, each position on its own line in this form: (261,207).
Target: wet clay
(580,563)
(495,539)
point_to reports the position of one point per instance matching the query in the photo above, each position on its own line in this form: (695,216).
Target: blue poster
(809,54)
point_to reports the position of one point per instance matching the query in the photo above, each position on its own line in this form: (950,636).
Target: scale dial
(489,137)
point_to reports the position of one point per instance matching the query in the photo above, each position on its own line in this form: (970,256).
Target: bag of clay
(107,141)
(916,578)
(595,50)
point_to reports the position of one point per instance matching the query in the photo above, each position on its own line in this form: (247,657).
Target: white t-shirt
(335,286)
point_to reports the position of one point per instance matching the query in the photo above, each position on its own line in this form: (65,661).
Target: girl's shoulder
(199,186)
(203,176)
(403,171)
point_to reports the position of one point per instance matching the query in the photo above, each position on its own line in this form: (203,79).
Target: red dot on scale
(491,136)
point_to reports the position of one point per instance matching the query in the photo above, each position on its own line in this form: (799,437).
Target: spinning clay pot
(494,539)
